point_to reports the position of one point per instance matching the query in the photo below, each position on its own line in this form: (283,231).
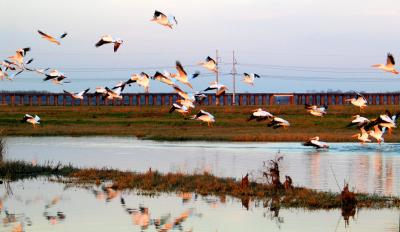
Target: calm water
(369,168)
(38,205)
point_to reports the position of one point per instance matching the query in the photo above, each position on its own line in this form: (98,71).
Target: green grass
(156,123)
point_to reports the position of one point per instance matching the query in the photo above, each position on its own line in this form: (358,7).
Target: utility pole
(234,72)
(216,75)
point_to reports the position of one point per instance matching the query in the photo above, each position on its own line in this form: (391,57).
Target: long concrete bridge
(162,99)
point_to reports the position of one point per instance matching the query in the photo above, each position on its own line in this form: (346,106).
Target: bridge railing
(165,99)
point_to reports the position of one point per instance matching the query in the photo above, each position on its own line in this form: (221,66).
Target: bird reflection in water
(274,206)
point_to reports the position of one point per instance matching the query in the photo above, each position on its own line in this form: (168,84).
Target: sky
(295,46)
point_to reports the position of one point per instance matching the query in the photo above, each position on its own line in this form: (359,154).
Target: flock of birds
(189,100)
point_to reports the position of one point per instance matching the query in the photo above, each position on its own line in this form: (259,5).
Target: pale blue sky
(326,44)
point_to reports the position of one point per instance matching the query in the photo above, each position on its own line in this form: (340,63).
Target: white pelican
(19,55)
(48,37)
(9,65)
(204,116)
(3,75)
(386,120)
(120,84)
(314,142)
(77,95)
(249,78)
(199,97)
(142,79)
(359,101)
(278,122)
(215,86)
(210,64)
(113,94)
(186,102)
(359,121)
(160,18)
(378,133)
(389,66)
(108,39)
(181,76)
(315,110)
(32,120)
(163,78)
(260,115)
(362,136)
(178,108)
(56,77)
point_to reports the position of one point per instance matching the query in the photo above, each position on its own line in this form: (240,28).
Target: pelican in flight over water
(389,66)
(161,18)
(358,100)
(315,110)
(30,119)
(314,142)
(108,39)
(378,133)
(358,121)
(205,117)
(260,115)
(249,78)
(362,136)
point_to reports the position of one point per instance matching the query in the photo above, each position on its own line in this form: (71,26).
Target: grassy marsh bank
(156,123)
(203,184)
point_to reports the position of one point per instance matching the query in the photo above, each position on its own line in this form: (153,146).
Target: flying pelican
(205,117)
(199,97)
(389,66)
(362,136)
(315,110)
(108,39)
(178,108)
(9,65)
(113,94)
(180,92)
(359,101)
(278,122)
(215,86)
(30,119)
(181,76)
(120,84)
(249,78)
(186,102)
(56,77)
(48,37)
(378,133)
(359,121)
(260,115)
(386,120)
(162,19)
(314,142)
(210,64)
(77,95)
(3,75)
(19,55)
(142,79)
(163,78)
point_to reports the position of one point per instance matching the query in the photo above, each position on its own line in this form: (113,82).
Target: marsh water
(43,205)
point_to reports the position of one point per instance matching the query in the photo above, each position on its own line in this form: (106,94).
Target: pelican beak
(354,136)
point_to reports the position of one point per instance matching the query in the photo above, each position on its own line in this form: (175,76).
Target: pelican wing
(390,60)
(48,37)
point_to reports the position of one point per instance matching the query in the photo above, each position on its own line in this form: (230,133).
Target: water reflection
(369,168)
(38,205)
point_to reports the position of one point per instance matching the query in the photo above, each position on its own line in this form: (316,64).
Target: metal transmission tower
(234,72)
(217,75)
